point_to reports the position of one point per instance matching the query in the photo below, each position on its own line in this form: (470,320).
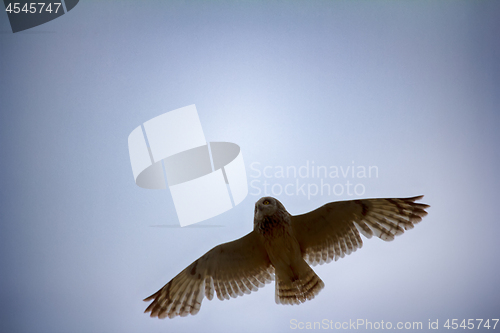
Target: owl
(282,247)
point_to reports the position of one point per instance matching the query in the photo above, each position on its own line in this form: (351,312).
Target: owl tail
(298,285)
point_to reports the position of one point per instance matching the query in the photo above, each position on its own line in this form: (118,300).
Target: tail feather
(297,290)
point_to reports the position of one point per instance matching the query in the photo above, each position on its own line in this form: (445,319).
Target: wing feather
(228,270)
(332,231)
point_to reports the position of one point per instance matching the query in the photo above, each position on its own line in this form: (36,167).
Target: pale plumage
(282,247)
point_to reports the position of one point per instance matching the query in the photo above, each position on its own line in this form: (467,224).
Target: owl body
(276,234)
(296,282)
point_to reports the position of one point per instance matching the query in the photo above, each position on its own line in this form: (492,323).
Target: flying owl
(282,247)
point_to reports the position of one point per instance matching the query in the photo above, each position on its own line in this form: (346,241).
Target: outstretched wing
(331,231)
(231,269)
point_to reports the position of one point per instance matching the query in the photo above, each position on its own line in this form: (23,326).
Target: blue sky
(409,87)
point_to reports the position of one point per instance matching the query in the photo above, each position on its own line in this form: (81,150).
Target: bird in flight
(282,247)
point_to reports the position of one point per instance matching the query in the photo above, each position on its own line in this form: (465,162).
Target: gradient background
(411,87)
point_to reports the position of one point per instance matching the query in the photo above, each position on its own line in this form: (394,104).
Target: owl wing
(231,269)
(332,231)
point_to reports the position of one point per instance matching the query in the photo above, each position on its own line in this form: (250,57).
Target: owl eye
(266,202)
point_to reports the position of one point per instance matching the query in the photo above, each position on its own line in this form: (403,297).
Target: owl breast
(282,247)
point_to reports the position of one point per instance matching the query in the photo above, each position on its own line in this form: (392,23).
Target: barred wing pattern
(332,231)
(231,269)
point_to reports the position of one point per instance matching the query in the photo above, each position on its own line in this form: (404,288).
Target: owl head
(267,207)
